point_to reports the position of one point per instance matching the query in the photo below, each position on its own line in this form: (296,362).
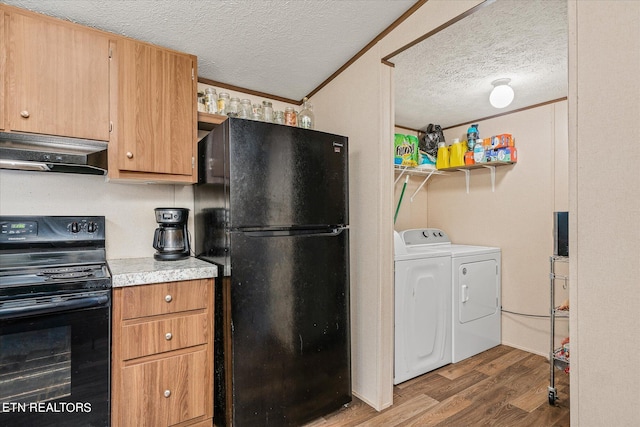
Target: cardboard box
(502,140)
(505,154)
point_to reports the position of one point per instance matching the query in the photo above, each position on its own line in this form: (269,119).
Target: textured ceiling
(281,47)
(287,48)
(446,79)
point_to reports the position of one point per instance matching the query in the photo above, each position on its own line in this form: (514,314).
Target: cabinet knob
(167,393)
(24,113)
(168,336)
(168,298)
(129,155)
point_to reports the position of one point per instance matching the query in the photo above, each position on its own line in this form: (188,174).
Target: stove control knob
(75,227)
(92,227)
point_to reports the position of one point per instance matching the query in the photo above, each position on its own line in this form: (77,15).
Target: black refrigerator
(271,209)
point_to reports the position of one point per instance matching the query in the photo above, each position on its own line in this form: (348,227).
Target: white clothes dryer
(476,292)
(476,272)
(422,336)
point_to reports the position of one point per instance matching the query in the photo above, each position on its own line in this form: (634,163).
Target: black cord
(527,315)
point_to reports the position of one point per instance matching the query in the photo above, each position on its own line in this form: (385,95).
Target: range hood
(47,153)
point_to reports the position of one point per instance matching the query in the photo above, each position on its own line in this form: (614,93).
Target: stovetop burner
(84,269)
(68,273)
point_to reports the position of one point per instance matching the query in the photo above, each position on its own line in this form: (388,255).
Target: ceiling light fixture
(502,94)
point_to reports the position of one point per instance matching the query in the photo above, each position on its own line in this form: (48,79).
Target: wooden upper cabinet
(58,77)
(3,68)
(156,113)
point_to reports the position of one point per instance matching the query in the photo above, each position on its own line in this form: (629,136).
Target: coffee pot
(171,238)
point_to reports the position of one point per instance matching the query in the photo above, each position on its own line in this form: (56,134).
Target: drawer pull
(168,336)
(129,155)
(25,114)
(167,393)
(168,298)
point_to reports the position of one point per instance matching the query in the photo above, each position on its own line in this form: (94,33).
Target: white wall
(350,106)
(359,104)
(517,217)
(604,112)
(128,208)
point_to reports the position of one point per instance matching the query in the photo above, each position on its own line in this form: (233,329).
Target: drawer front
(159,336)
(166,391)
(163,298)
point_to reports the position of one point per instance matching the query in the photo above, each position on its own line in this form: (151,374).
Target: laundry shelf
(429,172)
(407,171)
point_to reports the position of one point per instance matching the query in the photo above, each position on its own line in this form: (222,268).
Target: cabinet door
(165,392)
(157,107)
(3,68)
(58,78)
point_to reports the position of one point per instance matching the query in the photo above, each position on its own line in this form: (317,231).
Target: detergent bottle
(442,160)
(456,153)
(472,135)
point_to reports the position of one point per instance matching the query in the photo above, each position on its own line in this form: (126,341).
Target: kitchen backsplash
(128,208)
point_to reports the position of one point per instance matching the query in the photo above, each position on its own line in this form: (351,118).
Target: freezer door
(281,176)
(290,316)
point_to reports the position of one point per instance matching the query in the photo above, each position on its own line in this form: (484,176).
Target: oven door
(54,363)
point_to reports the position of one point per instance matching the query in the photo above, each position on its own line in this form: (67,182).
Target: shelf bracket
(493,177)
(422,185)
(467,173)
(403,170)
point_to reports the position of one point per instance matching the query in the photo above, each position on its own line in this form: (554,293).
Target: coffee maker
(171,238)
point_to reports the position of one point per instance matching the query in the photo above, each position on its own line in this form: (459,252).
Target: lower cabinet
(162,355)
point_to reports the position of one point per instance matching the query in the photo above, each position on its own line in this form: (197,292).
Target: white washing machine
(422,306)
(476,293)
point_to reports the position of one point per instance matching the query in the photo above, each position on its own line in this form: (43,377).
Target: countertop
(142,271)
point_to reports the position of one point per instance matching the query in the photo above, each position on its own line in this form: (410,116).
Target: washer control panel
(424,236)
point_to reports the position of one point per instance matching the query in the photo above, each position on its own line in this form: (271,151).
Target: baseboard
(368,402)
(528,350)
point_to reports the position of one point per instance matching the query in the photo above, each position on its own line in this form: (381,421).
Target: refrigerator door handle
(330,231)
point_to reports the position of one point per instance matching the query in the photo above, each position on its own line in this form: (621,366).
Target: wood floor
(502,386)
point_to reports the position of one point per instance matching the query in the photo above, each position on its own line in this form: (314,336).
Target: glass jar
(245,109)
(267,111)
(290,117)
(211,100)
(256,112)
(278,117)
(234,107)
(223,103)
(305,117)
(201,105)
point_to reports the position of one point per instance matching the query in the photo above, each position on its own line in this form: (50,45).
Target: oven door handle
(54,307)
